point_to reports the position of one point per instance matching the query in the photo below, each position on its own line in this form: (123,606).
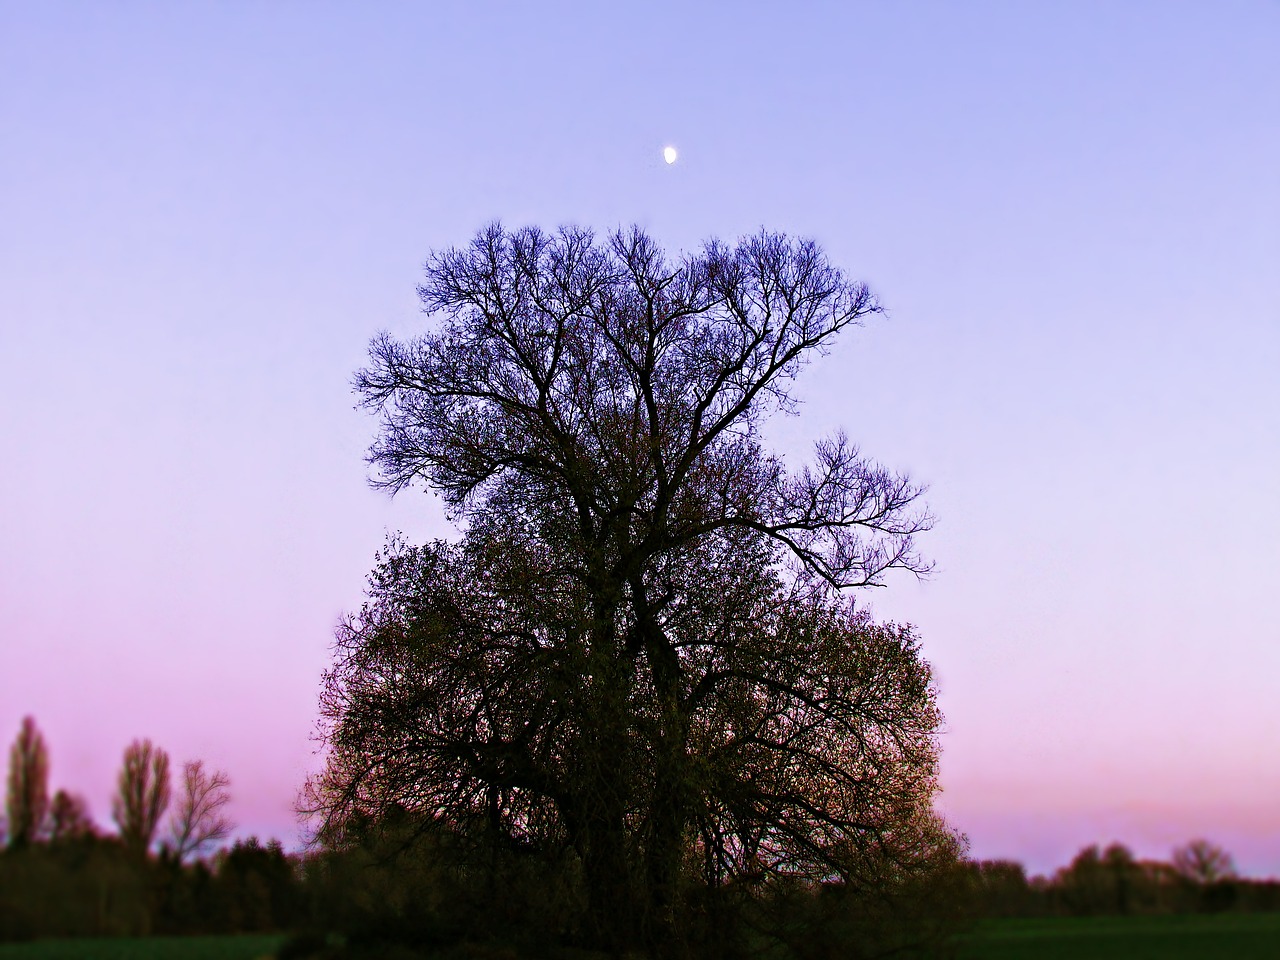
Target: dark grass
(239,947)
(1198,937)
(1229,936)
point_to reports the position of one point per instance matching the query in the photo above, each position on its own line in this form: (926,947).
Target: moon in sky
(669,154)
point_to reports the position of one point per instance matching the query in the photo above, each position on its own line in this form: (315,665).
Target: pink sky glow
(1072,213)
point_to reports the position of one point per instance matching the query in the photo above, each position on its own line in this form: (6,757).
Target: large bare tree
(27,797)
(639,651)
(142,795)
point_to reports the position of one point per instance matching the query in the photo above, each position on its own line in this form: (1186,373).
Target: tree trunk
(611,901)
(606,790)
(668,806)
(664,844)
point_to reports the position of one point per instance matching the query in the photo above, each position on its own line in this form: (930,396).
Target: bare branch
(199,821)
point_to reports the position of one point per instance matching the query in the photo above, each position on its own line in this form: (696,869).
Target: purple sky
(1072,211)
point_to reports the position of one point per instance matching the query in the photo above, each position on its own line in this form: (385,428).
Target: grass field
(1198,937)
(148,948)
(1216,937)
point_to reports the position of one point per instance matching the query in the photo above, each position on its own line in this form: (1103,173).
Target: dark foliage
(407,889)
(77,888)
(90,886)
(1112,882)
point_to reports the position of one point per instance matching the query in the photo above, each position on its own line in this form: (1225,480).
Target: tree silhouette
(142,795)
(199,820)
(1203,862)
(639,651)
(27,797)
(68,817)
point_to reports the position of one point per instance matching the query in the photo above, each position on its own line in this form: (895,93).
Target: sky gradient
(1071,211)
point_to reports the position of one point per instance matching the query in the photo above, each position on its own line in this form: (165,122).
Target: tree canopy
(27,789)
(640,654)
(142,795)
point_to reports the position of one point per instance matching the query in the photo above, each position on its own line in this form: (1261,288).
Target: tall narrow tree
(142,795)
(27,797)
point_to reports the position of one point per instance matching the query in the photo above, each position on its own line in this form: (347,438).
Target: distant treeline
(60,875)
(1200,877)
(426,884)
(423,888)
(93,885)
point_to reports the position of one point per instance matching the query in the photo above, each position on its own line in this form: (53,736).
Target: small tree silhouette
(199,821)
(27,800)
(142,795)
(1203,863)
(68,817)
